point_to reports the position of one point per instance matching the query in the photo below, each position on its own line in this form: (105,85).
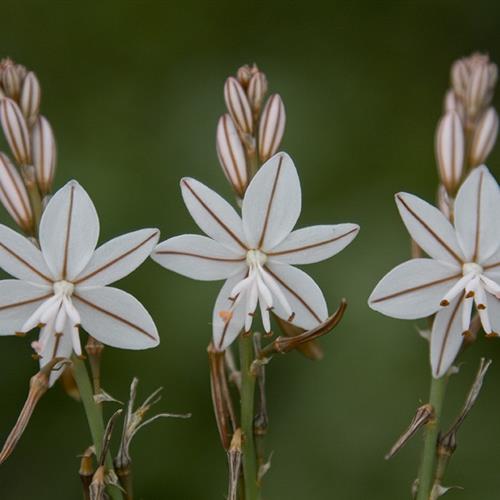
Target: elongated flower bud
(257,89)
(478,89)
(14,196)
(15,130)
(485,136)
(460,77)
(271,127)
(30,97)
(238,105)
(450,150)
(453,103)
(44,153)
(11,81)
(244,74)
(231,154)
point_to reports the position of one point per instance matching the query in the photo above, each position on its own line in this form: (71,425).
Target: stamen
(225,316)
(456,289)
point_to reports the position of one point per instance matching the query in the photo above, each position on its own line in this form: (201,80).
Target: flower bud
(238,105)
(244,74)
(30,97)
(14,196)
(271,127)
(450,150)
(11,80)
(478,90)
(444,204)
(15,130)
(231,154)
(257,89)
(453,103)
(484,138)
(43,147)
(460,77)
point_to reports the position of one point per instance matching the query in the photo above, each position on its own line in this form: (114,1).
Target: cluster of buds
(28,178)
(251,132)
(468,129)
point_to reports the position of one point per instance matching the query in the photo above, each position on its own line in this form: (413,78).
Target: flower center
(63,288)
(256,258)
(472,267)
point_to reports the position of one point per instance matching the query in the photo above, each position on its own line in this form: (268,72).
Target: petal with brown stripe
(305,297)
(199,257)
(414,289)
(272,203)
(116,318)
(430,229)
(313,244)
(477,215)
(118,258)
(446,337)
(69,230)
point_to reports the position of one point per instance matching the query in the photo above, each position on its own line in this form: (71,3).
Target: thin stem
(428,465)
(94,415)
(247,416)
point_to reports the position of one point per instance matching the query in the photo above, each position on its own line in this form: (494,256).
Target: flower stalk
(428,464)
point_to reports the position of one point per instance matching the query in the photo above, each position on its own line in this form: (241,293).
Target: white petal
(302,293)
(477,215)
(313,244)
(493,310)
(492,267)
(227,321)
(118,258)
(115,318)
(272,203)
(214,215)
(18,301)
(21,259)
(69,230)
(198,257)
(430,229)
(446,337)
(55,345)
(414,289)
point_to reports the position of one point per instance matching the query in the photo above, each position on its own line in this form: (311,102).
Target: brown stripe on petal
(68,233)
(430,230)
(206,257)
(270,202)
(115,260)
(447,333)
(491,266)
(114,316)
(25,302)
(295,294)
(416,288)
(215,216)
(312,245)
(25,262)
(478,217)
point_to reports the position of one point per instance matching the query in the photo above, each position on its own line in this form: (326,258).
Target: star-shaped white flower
(254,252)
(464,268)
(62,285)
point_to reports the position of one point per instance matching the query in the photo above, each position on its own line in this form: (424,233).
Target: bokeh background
(133,91)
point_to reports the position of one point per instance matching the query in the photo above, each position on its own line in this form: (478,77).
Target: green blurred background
(133,91)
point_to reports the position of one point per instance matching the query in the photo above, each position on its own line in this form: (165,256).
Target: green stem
(428,465)
(94,415)
(247,416)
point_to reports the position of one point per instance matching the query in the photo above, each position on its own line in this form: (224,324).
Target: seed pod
(271,127)
(231,154)
(44,153)
(14,196)
(257,89)
(15,130)
(30,97)
(450,150)
(484,138)
(238,105)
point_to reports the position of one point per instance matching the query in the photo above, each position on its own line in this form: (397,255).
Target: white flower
(464,268)
(63,284)
(254,252)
